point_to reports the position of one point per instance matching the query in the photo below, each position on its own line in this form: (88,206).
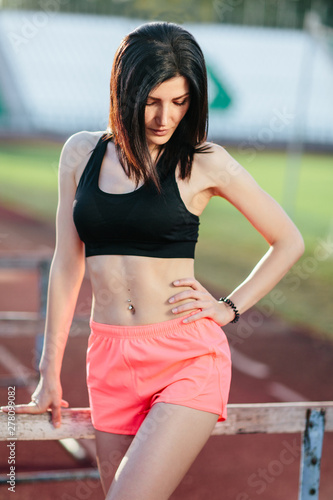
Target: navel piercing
(130,306)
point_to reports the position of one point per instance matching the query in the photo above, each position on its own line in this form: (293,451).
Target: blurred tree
(275,13)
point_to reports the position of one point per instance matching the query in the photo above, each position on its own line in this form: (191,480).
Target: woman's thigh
(167,443)
(110,451)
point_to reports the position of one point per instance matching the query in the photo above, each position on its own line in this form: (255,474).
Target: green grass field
(228,247)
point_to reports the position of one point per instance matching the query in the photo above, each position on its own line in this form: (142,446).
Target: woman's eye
(181,103)
(176,103)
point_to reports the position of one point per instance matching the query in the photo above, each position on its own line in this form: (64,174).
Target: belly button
(131,307)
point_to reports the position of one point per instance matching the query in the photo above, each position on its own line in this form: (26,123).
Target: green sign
(219,97)
(2,107)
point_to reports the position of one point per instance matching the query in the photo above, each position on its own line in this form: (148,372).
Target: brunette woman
(130,198)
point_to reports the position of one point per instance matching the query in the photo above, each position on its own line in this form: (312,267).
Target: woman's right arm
(66,275)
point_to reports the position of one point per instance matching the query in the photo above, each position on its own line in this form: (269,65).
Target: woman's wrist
(49,369)
(229,303)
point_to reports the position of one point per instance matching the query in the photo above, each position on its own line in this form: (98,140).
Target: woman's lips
(159,132)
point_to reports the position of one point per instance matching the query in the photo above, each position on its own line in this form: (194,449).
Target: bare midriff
(135,290)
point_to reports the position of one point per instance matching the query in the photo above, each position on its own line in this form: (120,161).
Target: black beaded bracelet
(232,305)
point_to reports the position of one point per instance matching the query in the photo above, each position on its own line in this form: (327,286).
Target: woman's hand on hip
(203,301)
(47,396)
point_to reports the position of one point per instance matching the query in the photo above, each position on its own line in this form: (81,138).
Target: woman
(158,363)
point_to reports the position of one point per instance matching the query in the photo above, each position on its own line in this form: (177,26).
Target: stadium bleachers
(56,68)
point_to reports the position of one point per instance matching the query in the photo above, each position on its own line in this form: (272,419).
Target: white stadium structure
(265,85)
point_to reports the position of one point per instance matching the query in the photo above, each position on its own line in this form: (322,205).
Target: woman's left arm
(269,219)
(232,182)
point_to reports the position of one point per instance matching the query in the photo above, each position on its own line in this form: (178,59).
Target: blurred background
(270,70)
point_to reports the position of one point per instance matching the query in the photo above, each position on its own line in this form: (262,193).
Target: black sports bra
(141,222)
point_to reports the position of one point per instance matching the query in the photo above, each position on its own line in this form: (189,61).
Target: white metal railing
(268,418)
(311,419)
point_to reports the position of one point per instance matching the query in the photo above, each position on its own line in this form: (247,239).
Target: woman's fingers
(35,408)
(56,416)
(194,317)
(198,292)
(186,294)
(195,293)
(56,412)
(197,304)
(46,396)
(192,282)
(32,407)
(204,303)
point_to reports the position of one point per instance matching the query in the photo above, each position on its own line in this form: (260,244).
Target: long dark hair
(146,57)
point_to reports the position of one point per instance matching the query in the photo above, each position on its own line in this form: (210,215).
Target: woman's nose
(162,116)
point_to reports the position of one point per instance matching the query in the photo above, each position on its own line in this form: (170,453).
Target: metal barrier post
(44,270)
(311,455)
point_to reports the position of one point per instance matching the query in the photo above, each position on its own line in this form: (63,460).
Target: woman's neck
(154,151)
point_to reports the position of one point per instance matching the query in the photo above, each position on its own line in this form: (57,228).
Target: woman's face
(166,106)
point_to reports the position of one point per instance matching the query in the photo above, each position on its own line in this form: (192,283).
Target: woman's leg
(161,453)
(110,451)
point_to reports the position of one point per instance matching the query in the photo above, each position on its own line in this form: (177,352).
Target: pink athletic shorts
(130,368)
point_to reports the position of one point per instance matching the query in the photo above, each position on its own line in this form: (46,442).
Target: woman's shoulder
(77,149)
(213,148)
(213,157)
(83,140)
(216,168)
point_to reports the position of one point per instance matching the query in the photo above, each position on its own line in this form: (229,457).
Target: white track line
(260,370)
(283,393)
(248,366)
(13,365)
